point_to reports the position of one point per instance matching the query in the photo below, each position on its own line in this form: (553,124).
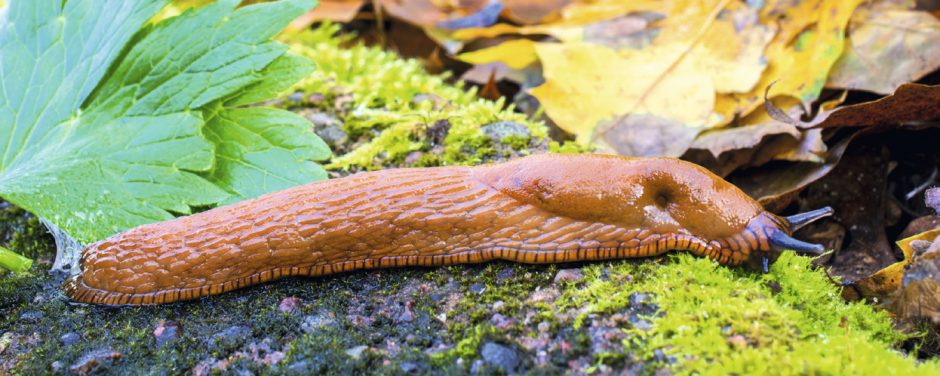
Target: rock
(290,304)
(273,358)
(31,316)
(230,337)
(932,198)
(413,158)
(356,352)
(166,331)
(737,341)
(638,298)
(568,276)
(437,132)
(94,361)
(407,313)
(544,326)
(70,338)
(477,288)
(408,367)
(298,368)
(328,127)
(500,356)
(505,273)
(5,340)
(359,320)
(543,296)
(476,367)
(296,97)
(501,322)
(502,129)
(317,321)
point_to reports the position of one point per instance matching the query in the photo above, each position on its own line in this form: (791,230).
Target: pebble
(68,339)
(166,331)
(317,321)
(477,367)
(501,322)
(31,316)
(544,326)
(290,304)
(296,97)
(356,352)
(544,296)
(568,276)
(737,341)
(407,313)
(500,356)
(408,367)
(230,337)
(502,129)
(504,274)
(94,361)
(477,288)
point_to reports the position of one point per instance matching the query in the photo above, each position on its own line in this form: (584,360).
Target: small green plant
(108,122)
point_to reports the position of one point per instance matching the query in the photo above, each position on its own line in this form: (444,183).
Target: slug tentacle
(538,209)
(797,221)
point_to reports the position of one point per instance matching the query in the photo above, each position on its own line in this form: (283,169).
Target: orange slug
(540,209)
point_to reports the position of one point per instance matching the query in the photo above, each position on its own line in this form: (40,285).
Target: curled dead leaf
(910,102)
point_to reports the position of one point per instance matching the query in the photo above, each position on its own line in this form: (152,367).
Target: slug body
(538,209)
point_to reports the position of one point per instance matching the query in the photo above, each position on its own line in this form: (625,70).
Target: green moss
(718,320)
(517,142)
(391,100)
(568,147)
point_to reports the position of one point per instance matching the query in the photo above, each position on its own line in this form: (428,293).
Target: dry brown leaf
(888,46)
(647,135)
(328,10)
(430,12)
(771,183)
(910,102)
(529,12)
(490,91)
(723,140)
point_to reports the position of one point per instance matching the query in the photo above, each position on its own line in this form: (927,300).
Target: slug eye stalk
(797,221)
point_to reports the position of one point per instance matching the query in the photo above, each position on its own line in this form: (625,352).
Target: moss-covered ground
(675,314)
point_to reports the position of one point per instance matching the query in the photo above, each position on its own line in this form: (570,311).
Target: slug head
(773,236)
(662,195)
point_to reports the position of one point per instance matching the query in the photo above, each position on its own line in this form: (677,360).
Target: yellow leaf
(810,40)
(888,46)
(517,54)
(886,281)
(586,83)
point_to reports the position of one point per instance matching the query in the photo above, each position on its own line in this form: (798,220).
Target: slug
(549,208)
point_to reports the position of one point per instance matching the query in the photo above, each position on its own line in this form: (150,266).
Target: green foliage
(392,99)
(110,124)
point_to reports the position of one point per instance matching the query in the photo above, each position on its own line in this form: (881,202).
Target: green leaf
(253,146)
(276,78)
(100,136)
